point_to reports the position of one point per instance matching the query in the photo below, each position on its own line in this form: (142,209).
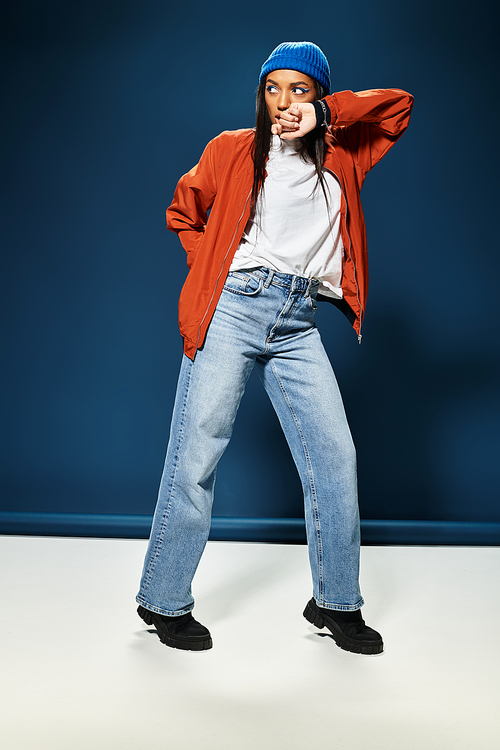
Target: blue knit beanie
(305,57)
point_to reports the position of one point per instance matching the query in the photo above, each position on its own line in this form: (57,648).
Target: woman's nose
(283,102)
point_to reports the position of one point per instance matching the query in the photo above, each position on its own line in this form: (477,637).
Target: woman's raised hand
(295,121)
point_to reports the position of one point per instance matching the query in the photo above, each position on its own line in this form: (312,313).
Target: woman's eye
(298,90)
(271,89)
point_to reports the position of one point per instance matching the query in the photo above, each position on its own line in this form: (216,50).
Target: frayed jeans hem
(340,607)
(160,611)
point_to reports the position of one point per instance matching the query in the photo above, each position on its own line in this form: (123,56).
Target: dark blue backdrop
(107,104)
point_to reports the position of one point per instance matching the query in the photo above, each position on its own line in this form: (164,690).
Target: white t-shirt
(292,229)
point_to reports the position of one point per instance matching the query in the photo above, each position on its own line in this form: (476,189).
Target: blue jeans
(263,320)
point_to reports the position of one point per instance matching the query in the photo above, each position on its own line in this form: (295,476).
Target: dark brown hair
(313,143)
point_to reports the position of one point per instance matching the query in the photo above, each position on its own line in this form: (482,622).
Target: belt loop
(269,279)
(308,290)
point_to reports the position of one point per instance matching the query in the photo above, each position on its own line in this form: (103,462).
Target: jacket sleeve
(193,198)
(371,121)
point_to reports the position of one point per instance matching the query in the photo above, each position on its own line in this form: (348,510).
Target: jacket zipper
(350,244)
(222,267)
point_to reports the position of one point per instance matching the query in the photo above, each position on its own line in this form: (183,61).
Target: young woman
(286,228)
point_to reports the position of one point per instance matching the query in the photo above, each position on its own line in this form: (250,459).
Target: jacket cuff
(323,114)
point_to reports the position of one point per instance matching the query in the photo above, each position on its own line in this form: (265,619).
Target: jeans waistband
(287,280)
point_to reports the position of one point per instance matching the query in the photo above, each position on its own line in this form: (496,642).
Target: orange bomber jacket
(364,126)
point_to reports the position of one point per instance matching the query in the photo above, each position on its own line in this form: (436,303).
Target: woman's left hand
(295,121)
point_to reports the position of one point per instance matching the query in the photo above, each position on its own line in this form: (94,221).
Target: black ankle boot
(348,629)
(178,632)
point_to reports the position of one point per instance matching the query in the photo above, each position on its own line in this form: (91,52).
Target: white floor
(80,671)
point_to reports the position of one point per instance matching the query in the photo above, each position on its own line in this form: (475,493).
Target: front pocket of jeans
(241,283)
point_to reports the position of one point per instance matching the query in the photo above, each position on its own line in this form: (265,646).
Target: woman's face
(283,87)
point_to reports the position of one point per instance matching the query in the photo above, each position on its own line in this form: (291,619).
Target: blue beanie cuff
(305,57)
